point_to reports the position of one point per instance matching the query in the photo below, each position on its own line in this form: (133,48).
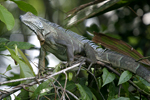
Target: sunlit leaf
(125,76)
(90,11)
(6,17)
(8,68)
(99,80)
(107,77)
(25,71)
(25,6)
(94,8)
(70,76)
(142,86)
(25,59)
(118,46)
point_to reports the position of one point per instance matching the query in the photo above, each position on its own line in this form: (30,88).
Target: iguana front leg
(69,51)
(55,42)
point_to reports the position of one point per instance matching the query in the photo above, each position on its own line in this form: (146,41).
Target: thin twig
(55,87)
(63,94)
(132,10)
(119,90)
(70,93)
(17,80)
(65,86)
(55,90)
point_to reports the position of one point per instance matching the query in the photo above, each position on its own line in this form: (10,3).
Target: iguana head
(39,27)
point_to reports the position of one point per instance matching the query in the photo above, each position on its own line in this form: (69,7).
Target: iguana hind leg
(90,56)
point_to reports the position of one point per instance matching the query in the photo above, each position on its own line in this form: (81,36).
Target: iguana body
(64,44)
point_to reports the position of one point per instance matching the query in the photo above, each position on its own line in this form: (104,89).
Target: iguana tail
(124,62)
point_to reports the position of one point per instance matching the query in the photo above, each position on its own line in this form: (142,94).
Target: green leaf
(99,80)
(96,93)
(70,76)
(8,68)
(107,77)
(7,98)
(121,98)
(70,85)
(143,86)
(94,98)
(126,86)
(17,98)
(25,59)
(20,45)
(13,77)
(25,71)
(6,17)
(125,76)
(25,6)
(11,44)
(85,92)
(3,40)
(112,90)
(44,85)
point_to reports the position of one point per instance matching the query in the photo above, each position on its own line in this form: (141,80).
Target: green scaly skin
(64,44)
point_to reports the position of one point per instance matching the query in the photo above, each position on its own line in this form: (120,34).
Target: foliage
(11,44)
(7,18)
(104,84)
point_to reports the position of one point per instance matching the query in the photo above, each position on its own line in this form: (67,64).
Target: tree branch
(3,95)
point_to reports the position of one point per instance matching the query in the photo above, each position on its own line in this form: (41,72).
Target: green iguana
(64,44)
